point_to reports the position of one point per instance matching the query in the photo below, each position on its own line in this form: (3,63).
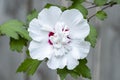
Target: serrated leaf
(49,5)
(81,8)
(13,29)
(17,44)
(29,66)
(92,37)
(83,69)
(101,15)
(33,14)
(100,2)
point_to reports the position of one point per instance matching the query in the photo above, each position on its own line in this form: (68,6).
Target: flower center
(59,38)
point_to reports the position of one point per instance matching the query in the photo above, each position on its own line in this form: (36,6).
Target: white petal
(50,16)
(71,62)
(40,50)
(69,17)
(78,26)
(80,49)
(80,30)
(57,62)
(35,31)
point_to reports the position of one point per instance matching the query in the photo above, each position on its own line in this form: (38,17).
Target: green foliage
(92,37)
(14,29)
(49,5)
(33,14)
(29,66)
(77,1)
(101,15)
(81,69)
(118,1)
(27,53)
(62,73)
(100,2)
(77,5)
(81,8)
(17,44)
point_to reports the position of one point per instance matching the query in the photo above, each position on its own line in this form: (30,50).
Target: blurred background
(104,60)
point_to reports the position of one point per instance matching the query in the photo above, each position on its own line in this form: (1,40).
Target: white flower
(59,37)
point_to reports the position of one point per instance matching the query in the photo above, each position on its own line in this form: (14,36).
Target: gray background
(104,60)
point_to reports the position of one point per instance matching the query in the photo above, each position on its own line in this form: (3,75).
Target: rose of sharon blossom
(59,37)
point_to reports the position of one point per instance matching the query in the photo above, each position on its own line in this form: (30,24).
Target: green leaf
(118,1)
(101,15)
(92,37)
(49,5)
(17,44)
(33,14)
(27,53)
(100,2)
(13,29)
(77,5)
(80,7)
(78,1)
(83,69)
(29,66)
(62,73)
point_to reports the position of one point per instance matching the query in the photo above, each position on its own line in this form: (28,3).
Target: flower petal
(50,16)
(80,49)
(80,30)
(57,62)
(35,31)
(70,17)
(40,50)
(78,26)
(71,62)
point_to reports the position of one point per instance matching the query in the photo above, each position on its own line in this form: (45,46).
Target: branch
(89,2)
(94,6)
(107,5)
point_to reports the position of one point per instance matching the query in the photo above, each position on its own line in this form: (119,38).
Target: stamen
(50,34)
(61,38)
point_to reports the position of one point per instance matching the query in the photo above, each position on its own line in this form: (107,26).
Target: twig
(92,7)
(107,5)
(89,2)
(91,17)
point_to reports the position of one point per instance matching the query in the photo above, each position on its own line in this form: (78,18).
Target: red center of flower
(50,34)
